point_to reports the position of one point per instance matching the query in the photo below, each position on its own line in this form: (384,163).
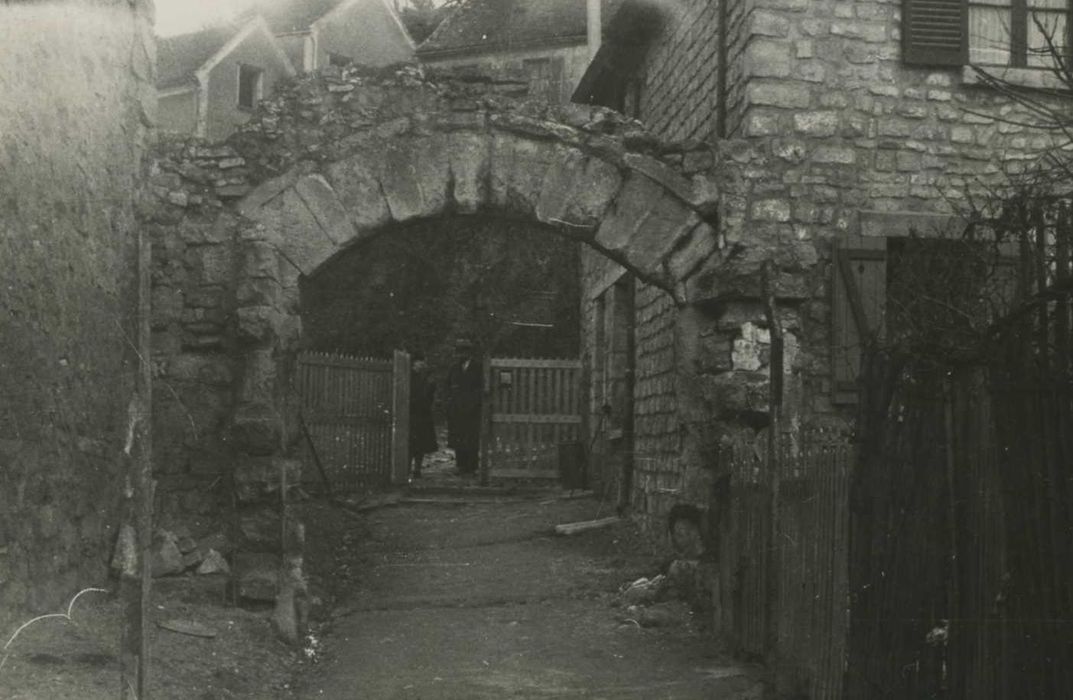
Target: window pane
(989,35)
(1041,26)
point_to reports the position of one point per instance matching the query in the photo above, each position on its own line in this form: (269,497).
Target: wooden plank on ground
(585,525)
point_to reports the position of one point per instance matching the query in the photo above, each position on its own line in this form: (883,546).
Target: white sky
(181,16)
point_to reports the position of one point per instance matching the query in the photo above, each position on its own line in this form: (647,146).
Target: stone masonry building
(831,123)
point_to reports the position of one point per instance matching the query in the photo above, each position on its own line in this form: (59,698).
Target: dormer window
(250,86)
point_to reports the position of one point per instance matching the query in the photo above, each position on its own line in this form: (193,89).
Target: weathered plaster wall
(77,84)
(177,114)
(223,114)
(367,33)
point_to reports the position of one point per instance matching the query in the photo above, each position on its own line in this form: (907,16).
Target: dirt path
(477,599)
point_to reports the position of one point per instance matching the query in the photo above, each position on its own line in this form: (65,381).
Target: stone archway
(420,151)
(336,159)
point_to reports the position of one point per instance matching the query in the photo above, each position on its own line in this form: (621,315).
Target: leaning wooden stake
(136,579)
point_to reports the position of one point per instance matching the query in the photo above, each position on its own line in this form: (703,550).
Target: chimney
(594,26)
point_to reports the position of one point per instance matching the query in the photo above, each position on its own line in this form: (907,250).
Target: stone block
(164,556)
(257,575)
(816,123)
(736,394)
(771,210)
(751,349)
(326,208)
(213,563)
(257,429)
(358,191)
(215,541)
(257,323)
(200,368)
(212,263)
(767,58)
(469,160)
(261,529)
(258,292)
(683,261)
(778,94)
(769,23)
(840,155)
(303,242)
(259,478)
(518,169)
(578,190)
(415,176)
(259,260)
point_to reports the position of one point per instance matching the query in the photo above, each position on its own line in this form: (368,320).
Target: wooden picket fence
(534,405)
(783,590)
(355,414)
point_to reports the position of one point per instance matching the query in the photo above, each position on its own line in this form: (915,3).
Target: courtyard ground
(451,591)
(468,596)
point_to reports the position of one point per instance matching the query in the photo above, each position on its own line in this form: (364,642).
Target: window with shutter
(1020,33)
(858,305)
(933,32)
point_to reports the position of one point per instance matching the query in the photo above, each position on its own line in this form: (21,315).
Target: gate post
(400,419)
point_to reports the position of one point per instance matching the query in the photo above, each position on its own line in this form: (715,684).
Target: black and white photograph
(536,349)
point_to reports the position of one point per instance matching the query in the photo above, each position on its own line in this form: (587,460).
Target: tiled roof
(294,15)
(492,25)
(179,57)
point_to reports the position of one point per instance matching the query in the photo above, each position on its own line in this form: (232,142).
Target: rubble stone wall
(77,86)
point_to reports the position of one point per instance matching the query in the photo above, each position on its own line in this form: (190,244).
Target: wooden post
(400,419)
(774,458)
(485,439)
(135,582)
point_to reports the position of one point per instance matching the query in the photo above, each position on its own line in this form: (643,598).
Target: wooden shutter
(858,304)
(934,32)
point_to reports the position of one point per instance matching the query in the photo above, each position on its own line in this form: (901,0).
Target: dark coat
(464,396)
(422,423)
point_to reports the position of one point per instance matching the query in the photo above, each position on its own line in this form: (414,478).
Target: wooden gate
(532,407)
(355,415)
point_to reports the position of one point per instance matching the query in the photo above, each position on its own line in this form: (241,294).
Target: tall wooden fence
(962,539)
(784,539)
(355,414)
(533,406)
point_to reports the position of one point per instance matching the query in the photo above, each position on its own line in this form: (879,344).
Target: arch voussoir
(578,193)
(415,175)
(469,159)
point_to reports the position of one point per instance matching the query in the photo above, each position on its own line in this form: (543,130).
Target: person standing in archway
(422,423)
(464,393)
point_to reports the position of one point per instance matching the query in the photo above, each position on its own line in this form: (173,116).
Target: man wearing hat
(464,394)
